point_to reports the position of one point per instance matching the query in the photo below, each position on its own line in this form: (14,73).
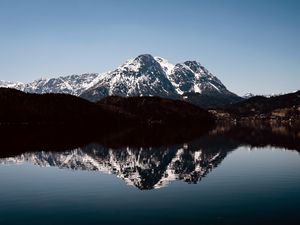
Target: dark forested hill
(283,109)
(156,109)
(263,105)
(19,107)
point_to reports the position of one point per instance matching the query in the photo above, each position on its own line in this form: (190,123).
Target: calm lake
(224,177)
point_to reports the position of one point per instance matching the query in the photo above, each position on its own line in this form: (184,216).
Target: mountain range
(144,75)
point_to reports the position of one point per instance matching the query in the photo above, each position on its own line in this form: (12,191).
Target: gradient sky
(251,46)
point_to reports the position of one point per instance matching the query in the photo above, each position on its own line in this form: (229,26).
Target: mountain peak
(146,61)
(144,57)
(196,67)
(139,63)
(141,76)
(193,65)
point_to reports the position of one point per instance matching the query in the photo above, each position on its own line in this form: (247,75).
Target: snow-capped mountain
(73,84)
(10,84)
(155,76)
(143,76)
(248,95)
(191,76)
(145,168)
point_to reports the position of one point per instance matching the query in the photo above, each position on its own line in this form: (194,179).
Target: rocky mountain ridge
(143,76)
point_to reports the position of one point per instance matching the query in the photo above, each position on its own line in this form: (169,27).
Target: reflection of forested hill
(261,135)
(19,139)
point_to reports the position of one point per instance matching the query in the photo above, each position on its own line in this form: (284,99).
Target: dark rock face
(183,78)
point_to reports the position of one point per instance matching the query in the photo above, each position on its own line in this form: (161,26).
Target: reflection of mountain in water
(145,168)
(158,162)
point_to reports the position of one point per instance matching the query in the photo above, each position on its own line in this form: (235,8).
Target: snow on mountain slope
(248,95)
(143,76)
(149,76)
(10,84)
(165,65)
(74,84)
(191,76)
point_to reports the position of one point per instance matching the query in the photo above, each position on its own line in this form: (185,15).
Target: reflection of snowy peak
(143,76)
(145,168)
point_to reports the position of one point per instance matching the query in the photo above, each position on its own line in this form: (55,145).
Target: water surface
(213,179)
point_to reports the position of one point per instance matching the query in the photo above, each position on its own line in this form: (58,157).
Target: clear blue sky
(251,45)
